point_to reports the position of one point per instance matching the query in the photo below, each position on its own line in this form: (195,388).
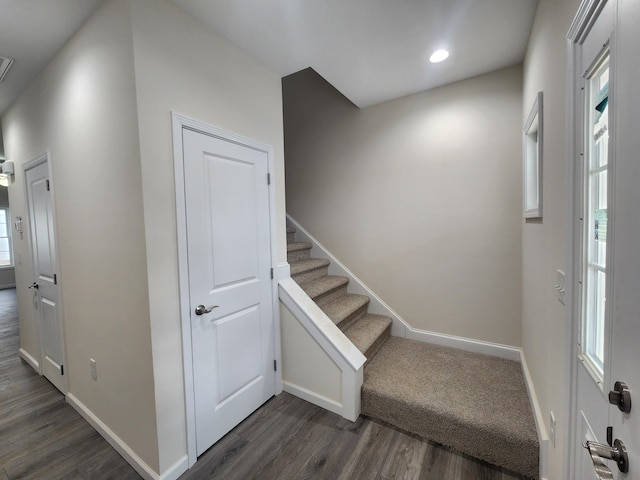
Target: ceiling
(32,32)
(375,50)
(370,50)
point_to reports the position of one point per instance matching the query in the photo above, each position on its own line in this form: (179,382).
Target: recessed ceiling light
(438,56)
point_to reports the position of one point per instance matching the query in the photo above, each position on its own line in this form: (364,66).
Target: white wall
(297,344)
(186,68)
(544,327)
(82,109)
(420,197)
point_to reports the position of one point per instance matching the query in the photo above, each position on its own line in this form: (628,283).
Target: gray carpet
(473,403)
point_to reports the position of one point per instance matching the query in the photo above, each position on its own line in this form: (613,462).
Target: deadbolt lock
(621,396)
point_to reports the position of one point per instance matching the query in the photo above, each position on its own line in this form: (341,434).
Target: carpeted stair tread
(343,307)
(301,266)
(296,246)
(369,333)
(473,403)
(291,230)
(321,286)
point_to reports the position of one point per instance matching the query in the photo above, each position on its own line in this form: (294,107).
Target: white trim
(179,122)
(583,21)
(27,357)
(114,440)
(399,327)
(543,437)
(312,397)
(463,343)
(7,285)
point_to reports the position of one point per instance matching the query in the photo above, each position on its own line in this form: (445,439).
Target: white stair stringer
(335,389)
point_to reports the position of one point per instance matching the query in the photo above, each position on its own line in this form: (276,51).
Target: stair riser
(311,274)
(298,255)
(291,237)
(373,349)
(330,296)
(353,318)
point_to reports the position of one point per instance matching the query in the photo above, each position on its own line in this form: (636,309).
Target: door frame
(584,19)
(37,161)
(179,122)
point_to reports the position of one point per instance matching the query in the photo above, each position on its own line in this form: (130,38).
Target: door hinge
(271,273)
(48,186)
(55,279)
(268,179)
(61,369)
(275,366)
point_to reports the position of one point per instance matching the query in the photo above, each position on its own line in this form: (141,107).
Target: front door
(229,262)
(608,274)
(45,280)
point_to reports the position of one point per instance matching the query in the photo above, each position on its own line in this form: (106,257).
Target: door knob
(201,309)
(34,285)
(621,396)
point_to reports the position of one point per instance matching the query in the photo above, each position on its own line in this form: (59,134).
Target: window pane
(595,232)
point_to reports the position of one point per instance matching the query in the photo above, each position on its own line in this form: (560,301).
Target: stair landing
(476,404)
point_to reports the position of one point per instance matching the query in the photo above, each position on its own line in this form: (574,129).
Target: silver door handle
(201,309)
(34,285)
(600,451)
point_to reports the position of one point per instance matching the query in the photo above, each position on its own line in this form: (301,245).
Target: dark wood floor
(42,437)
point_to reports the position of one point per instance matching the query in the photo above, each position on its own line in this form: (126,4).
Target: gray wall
(545,338)
(420,196)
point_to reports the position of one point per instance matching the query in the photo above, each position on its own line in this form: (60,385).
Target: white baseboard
(177,469)
(312,397)
(7,285)
(400,327)
(543,437)
(462,343)
(119,445)
(26,356)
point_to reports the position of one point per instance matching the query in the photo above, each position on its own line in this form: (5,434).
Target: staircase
(476,404)
(367,331)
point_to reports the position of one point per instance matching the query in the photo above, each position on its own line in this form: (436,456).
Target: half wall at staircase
(420,197)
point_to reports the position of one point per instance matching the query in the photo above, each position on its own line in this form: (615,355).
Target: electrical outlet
(94,372)
(552,429)
(559,286)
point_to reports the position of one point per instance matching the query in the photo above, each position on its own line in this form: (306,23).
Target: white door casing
(225,254)
(609,27)
(45,279)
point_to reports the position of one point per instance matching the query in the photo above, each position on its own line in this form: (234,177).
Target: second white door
(45,284)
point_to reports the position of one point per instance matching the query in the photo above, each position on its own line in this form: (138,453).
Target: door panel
(229,259)
(44,268)
(625,352)
(618,23)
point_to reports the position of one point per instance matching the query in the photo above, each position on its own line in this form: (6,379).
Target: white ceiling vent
(5,64)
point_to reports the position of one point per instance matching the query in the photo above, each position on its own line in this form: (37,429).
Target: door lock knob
(34,285)
(621,396)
